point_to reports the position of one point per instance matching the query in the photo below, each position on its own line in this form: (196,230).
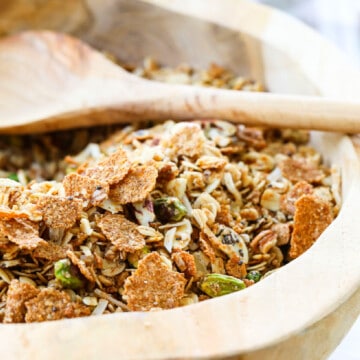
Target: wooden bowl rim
(240,322)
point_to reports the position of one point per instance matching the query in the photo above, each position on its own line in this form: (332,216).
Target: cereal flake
(17,295)
(186,139)
(49,251)
(235,267)
(52,304)
(110,170)
(312,217)
(122,233)
(59,212)
(91,191)
(136,185)
(153,285)
(301,170)
(80,264)
(22,232)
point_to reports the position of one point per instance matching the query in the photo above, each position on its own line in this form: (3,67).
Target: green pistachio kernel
(218,284)
(65,273)
(169,209)
(134,258)
(254,275)
(13,176)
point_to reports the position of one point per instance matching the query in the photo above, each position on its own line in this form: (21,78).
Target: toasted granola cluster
(155,217)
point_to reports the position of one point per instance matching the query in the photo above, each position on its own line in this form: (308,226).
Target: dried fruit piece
(110,170)
(135,186)
(312,217)
(51,304)
(301,170)
(66,274)
(59,212)
(22,232)
(82,187)
(153,285)
(18,293)
(218,284)
(287,201)
(169,209)
(122,233)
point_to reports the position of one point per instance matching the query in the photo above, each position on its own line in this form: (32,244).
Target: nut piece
(135,186)
(185,262)
(153,285)
(211,162)
(122,233)
(254,276)
(218,284)
(287,202)
(283,233)
(66,275)
(312,217)
(169,209)
(253,137)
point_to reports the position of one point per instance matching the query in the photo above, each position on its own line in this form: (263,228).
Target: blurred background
(339,21)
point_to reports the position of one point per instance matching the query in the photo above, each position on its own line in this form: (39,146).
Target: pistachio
(134,258)
(169,209)
(254,275)
(13,176)
(65,273)
(218,284)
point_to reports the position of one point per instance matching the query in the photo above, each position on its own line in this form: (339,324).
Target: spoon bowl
(53,81)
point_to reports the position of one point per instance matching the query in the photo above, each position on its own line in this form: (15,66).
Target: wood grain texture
(18,15)
(67,75)
(301,311)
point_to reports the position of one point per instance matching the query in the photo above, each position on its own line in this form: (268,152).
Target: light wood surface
(303,310)
(66,76)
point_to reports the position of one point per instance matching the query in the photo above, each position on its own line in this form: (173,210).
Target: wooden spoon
(51,81)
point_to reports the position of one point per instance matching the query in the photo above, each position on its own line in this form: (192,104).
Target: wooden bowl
(303,310)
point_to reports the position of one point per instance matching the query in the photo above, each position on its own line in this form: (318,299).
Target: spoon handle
(252,108)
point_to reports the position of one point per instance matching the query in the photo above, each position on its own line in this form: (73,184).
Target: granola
(143,217)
